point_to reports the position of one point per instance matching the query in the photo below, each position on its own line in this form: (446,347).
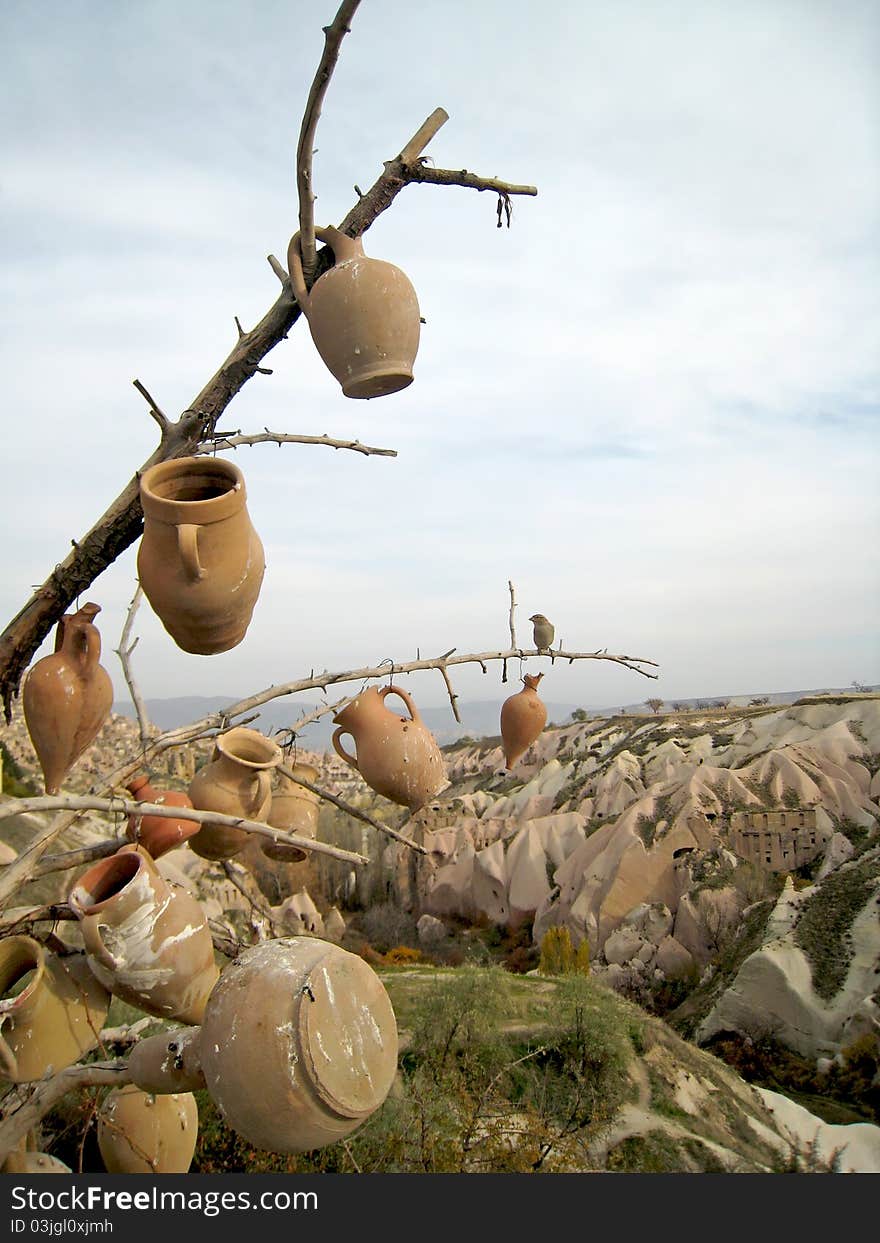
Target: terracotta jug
(363,316)
(200,561)
(156,834)
(147,939)
(295,810)
(237,782)
(139,1133)
(54,1018)
(396,756)
(523,716)
(299,1044)
(67,696)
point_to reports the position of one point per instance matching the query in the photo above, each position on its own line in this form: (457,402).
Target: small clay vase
(147,940)
(397,756)
(168,1062)
(139,1133)
(55,1018)
(299,1044)
(67,696)
(363,316)
(294,810)
(156,834)
(523,716)
(200,561)
(236,782)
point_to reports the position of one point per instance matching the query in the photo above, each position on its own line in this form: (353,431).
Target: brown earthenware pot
(299,1044)
(200,561)
(523,716)
(294,810)
(156,833)
(54,1018)
(67,696)
(147,939)
(397,756)
(139,1133)
(363,316)
(236,782)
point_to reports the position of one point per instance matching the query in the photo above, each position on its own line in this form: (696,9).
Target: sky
(651,403)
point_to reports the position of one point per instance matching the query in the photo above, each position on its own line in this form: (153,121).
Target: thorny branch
(349,810)
(221,441)
(124,652)
(333,36)
(24,1116)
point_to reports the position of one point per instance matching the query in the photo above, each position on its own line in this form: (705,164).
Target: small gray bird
(544,633)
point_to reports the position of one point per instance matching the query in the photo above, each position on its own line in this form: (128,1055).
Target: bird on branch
(544,632)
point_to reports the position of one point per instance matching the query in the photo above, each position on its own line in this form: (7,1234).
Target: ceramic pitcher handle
(7,1057)
(340,749)
(405,696)
(91,935)
(343,247)
(188,546)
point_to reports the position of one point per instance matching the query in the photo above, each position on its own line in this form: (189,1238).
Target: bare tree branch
(23,868)
(512,607)
(26,1115)
(333,36)
(351,811)
(124,652)
(282,438)
(424,174)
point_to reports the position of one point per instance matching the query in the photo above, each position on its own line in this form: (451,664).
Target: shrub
(402,955)
(558,956)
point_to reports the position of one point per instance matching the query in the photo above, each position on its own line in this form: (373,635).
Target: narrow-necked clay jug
(523,716)
(236,782)
(147,940)
(397,756)
(156,833)
(299,1044)
(54,1017)
(139,1133)
(295,810)
(200,561)
(67,696)
(363,316)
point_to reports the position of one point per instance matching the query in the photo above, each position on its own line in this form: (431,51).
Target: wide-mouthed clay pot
(295,810)
(236,782)
(397,756)
(363,315)
(55,1014)
(147,940)
(523,716)
(299,1044)
(139,1133)
(200,561)
(67,696)
(156,833)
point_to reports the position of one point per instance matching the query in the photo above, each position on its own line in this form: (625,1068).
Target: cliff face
(623,831)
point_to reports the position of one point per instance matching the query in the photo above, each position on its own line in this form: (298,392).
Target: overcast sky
(652,403)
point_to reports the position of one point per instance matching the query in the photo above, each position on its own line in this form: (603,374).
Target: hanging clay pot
(54,1018)
(523,716)
(294,810)
(200,561)
(236,782)
(397,756)
(298,1044)
(139,1133)
(363,316)
(67,696)
(24,1159)
(147,939)
(155,833)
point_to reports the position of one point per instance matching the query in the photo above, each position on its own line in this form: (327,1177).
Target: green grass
(823,930)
